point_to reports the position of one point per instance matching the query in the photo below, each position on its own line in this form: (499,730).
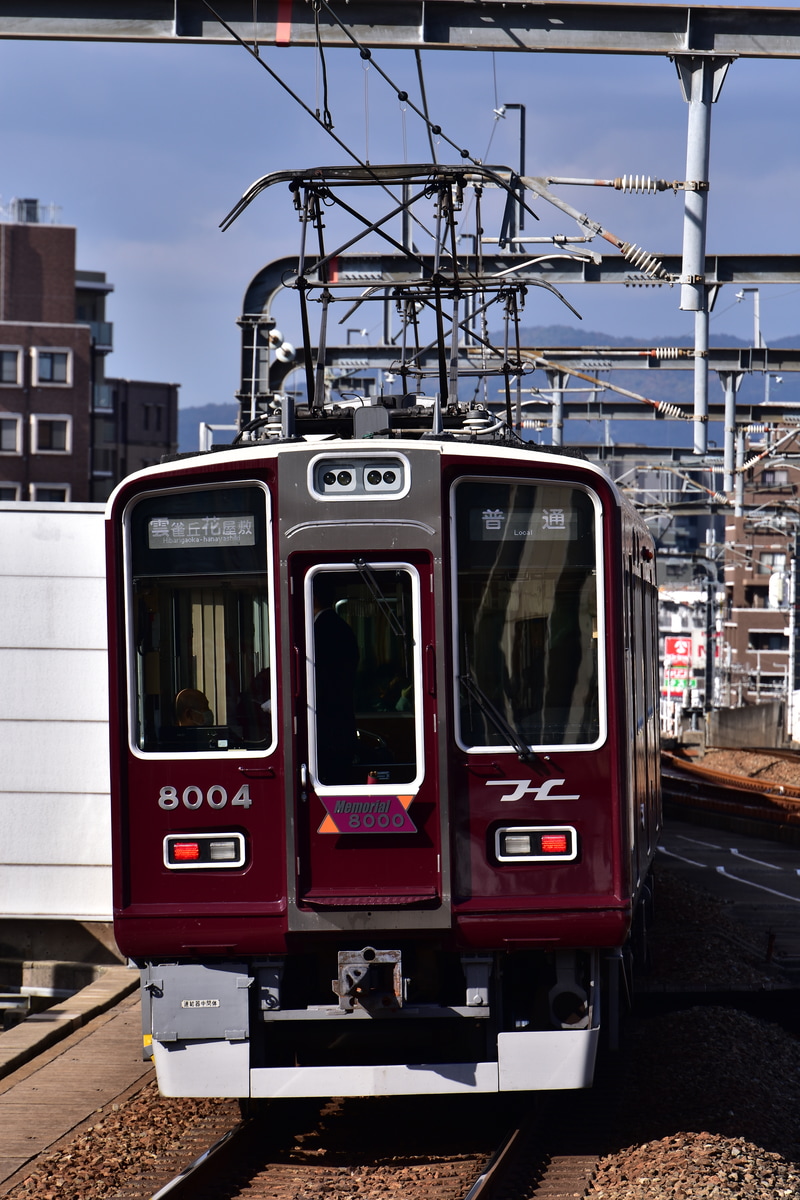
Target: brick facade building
(66,432)
(759,550)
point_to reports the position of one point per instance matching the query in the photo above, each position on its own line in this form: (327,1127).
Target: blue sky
(146,147)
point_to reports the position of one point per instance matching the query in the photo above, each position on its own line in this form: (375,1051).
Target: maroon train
(384,757)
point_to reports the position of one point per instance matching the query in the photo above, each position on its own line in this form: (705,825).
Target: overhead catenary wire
(424,97)
(282,83)
(402,95)
(365,52)
(327,120)
(662,406)
(255,28)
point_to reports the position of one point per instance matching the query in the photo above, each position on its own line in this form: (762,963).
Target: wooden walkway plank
(53,1095)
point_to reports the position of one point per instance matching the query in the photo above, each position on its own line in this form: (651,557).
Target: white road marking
(680,857)
(695,842)
(761,888)
(757,861)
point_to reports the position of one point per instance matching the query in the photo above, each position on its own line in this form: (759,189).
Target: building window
(770,562)
(51,435)
(50,493)
(762,639)
(9,491)
(10,373)
(775,477)
(105,461)
(766,685)
(756,597)
(10,433)
(153,417)
(52,368)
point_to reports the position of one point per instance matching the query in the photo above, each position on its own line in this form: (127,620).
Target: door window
(363,675)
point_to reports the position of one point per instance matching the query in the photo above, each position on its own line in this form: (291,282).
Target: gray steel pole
(730,381)
(557,381)
(701,381)
(701,80)
(739,483)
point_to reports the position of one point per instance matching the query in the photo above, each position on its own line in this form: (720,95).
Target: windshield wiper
(504,727)
(371,581)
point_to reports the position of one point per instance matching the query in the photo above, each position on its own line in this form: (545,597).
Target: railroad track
(357,1151)
(770,755)
(692,786)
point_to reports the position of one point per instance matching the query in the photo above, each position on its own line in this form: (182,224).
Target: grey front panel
(338,503)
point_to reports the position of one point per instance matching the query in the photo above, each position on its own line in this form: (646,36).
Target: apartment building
(760,547)
(67,432)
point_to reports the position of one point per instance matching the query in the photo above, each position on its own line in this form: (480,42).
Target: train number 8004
(194,797)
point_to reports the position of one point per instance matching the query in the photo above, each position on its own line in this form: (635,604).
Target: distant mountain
(655,384)
(659,383)
(190,420)
(570,335)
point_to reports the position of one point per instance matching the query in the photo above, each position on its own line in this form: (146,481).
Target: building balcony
(102,336)
(103,398)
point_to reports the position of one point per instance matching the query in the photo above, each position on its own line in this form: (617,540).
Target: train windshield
(202,678)
(364,675)
(526,597)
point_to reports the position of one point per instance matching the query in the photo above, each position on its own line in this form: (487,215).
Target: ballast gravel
(709,1097)
(709,1107)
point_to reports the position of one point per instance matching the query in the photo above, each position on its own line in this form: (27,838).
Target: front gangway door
(367,816)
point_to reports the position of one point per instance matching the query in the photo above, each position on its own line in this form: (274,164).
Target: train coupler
(369,978)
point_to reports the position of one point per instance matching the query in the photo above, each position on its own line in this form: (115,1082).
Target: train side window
(526,628)
(364,672)
(201,659)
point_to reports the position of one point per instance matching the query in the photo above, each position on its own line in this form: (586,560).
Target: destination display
(186,533)
(536,524)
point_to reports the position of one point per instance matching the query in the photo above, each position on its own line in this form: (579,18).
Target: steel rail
(739,783)
(525,1165)
(730,800)
(185,1182)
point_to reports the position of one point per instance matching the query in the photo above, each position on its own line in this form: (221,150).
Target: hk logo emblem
(524,787)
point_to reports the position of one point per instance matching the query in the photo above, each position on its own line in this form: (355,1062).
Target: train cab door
(367,821)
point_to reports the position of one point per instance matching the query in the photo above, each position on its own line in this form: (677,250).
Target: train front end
(383,751)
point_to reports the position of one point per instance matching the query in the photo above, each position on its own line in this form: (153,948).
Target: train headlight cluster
(359,477)
(185,851)
(536,843)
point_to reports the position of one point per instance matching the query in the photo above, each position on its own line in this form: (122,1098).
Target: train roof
(238,454)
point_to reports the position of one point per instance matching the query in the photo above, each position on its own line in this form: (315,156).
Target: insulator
(757,429)
(667,352)
(273,427)
(672,410)
(639,183)
(643,261)
(719,498)
(477,419)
